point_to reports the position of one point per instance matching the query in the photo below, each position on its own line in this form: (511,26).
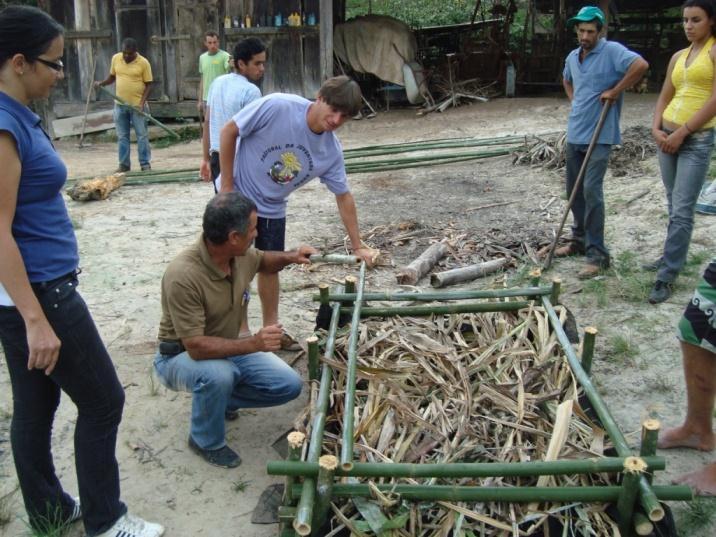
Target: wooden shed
(170,34)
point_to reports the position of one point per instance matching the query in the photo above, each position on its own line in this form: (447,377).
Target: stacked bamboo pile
(489,387)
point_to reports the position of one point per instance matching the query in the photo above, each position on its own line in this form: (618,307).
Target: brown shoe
(589,271)
(571,248)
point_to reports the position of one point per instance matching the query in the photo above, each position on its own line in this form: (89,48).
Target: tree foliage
(419,13)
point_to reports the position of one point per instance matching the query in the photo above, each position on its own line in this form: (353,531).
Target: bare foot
(681,437)
(703,481)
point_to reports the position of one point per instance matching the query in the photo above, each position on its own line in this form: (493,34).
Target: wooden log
(450,277)
(98,188)
(410,274)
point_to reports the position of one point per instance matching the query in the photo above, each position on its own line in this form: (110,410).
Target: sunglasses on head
(57,66)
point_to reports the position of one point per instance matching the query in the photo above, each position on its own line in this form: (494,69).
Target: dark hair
(342,93)
(247,49)
(595,21)
(129,43)
(210,33)
(708,6)
(26,30)
(226,212)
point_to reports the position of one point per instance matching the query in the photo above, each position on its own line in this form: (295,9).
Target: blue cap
(587,14)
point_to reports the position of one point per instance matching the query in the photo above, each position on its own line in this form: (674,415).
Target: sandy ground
(126,242)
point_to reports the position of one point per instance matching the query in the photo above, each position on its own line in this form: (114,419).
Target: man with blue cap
(597,71)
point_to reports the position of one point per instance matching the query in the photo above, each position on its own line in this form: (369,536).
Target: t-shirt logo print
(285,170)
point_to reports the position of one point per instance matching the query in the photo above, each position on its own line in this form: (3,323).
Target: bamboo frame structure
(636,499)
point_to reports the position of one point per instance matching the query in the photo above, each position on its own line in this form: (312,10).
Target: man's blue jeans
(683,175)
(588,206)
(124,116)
(85,372)
(260,379)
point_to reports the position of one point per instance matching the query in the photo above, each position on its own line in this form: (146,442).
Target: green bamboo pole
(141,112)
(334,258)
(351,154)
(511,137)
(324,489)
(348,417)
(431,296)
(590,335)
(556,289)
(467,469)
(649,436)
(324,293)
(505,494)
(642,525)
(295,445)
(307,491)
(350,284)
(312,344)
(416,311)
(633,469)
(647,498)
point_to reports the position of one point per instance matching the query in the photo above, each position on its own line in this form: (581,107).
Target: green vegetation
(695,518)
(621,349)
(423,13)
(240,485)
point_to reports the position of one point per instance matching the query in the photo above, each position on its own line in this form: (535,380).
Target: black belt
(44,286)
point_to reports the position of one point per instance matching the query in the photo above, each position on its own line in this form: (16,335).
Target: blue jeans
(588,206)
(683,175)
(124,116)
(260,379)
(86,374)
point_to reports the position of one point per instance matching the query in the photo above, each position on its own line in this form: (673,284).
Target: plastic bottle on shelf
(311,19)
(236,22)
(227,22)
(248,21)
(278,20)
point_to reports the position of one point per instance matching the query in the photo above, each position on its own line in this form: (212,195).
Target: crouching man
(205,290)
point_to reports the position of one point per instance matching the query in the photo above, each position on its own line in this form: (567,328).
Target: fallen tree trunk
(450,277)
(410,274)
(98,188)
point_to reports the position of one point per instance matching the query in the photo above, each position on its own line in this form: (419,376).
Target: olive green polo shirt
(199,299)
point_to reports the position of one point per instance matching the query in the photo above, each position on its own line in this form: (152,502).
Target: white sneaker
(76,511)
(132,526)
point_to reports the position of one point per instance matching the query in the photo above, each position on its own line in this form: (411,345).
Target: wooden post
(590,334)
(326,38)
(312,343)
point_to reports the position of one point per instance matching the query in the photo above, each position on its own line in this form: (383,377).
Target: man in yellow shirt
(133,75)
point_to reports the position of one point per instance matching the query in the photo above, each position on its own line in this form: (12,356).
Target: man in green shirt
(213,63)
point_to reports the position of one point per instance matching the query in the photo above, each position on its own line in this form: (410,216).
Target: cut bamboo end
(324,291)
(591,330)
(651,424)
(296,439)
(634,465)
(328,462)
(657,514)
(302,528)
(642,525)
(311,340)
(347,466)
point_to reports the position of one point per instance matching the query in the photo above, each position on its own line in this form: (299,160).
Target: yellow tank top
(693,84)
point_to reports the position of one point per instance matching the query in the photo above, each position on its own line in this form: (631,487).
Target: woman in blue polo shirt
(50,341)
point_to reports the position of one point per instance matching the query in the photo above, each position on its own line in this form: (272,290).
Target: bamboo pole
(647,497)
(633,469)
(649,436)
(431,296)
(312,344)
(471,272)
(419,267)
(505,494)
(334,258)
(307,491)
(324,293)
(348,417)
(535,275)
(475,469)
(416,311)
(556,289)
(295,445)
(350,284)
(642,525)
(327,465)
(590,335)
(140,112)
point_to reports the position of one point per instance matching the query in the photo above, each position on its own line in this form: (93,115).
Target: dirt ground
(127,241)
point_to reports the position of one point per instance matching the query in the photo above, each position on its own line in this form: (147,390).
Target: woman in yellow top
(683,130)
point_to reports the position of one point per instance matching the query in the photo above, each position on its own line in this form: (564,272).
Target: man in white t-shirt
(284,142)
